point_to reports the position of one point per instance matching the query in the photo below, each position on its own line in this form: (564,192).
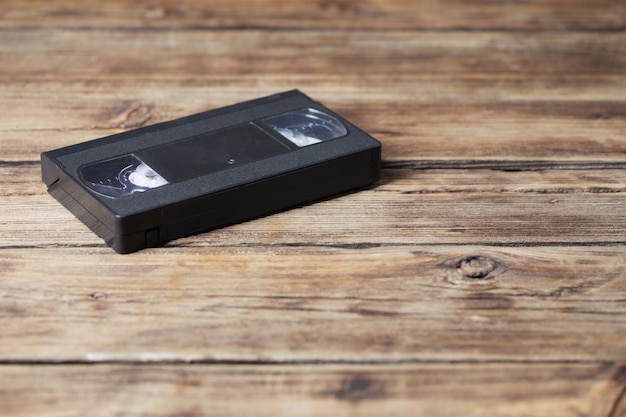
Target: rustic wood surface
(484,275)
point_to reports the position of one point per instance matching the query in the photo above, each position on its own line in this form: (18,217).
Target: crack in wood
(619,406)
(504,165)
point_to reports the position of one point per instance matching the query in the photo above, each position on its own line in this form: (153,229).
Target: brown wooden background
(484,275)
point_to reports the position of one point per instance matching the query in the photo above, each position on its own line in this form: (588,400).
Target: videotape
(145,187)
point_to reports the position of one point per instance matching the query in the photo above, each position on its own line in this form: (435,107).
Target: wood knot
(476,267)
(359,388)
(132,115)
(98,295)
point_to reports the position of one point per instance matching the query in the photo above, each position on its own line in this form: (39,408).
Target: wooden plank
(508,135)
(201,53)
(419,207)
(24,179)
(280,303)
(435,390)
(319,14)
(454,97)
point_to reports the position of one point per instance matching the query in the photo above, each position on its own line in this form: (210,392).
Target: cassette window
(306,127)
(121,176)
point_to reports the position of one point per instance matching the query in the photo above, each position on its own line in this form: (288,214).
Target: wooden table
(484,275)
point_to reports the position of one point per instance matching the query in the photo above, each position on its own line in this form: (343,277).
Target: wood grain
(411,178)
(197,54)
(454,98)
(280,303)
(306,390)
(420,207)
(511,134)
(483,275)
(471,135)
(321,14)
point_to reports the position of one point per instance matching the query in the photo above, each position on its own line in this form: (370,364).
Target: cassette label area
(210,169)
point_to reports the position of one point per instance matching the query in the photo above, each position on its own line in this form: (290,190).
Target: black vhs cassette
(148,186)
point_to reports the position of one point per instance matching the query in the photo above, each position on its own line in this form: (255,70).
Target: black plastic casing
(223,197)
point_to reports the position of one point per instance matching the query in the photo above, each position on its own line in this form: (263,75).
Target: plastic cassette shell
(226,195)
